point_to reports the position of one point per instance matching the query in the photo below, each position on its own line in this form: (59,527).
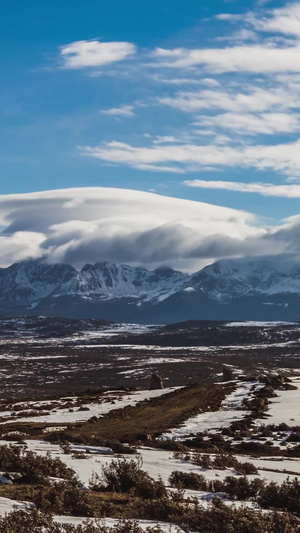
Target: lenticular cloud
(126,226)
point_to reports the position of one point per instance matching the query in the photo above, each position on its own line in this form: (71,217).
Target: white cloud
(167,139)
(284,20)
(276,48)
(20,246)
(174,81)
(210,82)
(221,139)
(81,54)
(240,36)
(265,123)
(122,111)
(118,225)
(283,158)
(265,189)
(255,99)
(227,16)
(98,224)
(164,139)
(257,58)
(158,168)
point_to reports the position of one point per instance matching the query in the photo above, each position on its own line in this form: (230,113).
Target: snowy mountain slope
(243,277)
(32,281)
(257,288)
(108,281)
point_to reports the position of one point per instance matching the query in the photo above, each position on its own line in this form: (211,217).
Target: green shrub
(217,518)
(239,488)
(188,480)
(32,467)
(219,462)
(37,522)
(285,496)
(127,476)
(63,498)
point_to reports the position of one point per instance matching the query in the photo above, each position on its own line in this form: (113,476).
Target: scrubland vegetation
(125,491)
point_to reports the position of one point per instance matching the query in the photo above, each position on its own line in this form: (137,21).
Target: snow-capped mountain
(107,281)
(31,281)
(257,288)
(227,279)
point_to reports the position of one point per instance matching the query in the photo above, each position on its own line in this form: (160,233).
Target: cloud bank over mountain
(127,226)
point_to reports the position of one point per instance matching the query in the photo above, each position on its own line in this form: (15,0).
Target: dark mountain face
(245,289)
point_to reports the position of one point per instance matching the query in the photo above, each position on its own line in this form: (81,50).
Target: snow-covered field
(7,505)
(111,522)
(160,463)
(231,410)
(108,402)
(286,407)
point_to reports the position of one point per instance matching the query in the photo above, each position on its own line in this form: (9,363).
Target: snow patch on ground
(7,505)
(256,323)
(286,407)
(105,405)
(111,522)
(231,410)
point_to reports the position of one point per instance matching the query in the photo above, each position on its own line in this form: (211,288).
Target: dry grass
(143,421)
(153,417)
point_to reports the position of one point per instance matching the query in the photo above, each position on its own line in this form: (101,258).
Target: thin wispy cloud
(253,98)
(122,111)
(264,189)
(266,55)
(253,124)
(233,59)
(282,158)
(235,113)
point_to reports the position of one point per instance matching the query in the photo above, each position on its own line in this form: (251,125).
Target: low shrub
(32,467)
(219,461)
(128,477)
(63,498)
(65,439)
(218,517)
(188,480)
(37,522)
(239,488)
(285,496)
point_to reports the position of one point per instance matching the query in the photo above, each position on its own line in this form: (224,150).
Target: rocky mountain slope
(257,288)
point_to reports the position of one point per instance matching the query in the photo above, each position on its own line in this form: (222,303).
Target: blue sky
(191,100)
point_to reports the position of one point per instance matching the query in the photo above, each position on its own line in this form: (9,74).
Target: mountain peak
(232,288)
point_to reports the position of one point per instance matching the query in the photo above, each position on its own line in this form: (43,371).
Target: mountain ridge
(248,288)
